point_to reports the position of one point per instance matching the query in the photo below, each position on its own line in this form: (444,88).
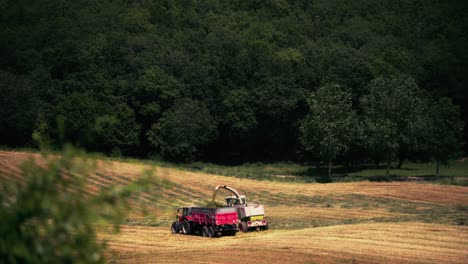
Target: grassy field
(456,173)
(344,222)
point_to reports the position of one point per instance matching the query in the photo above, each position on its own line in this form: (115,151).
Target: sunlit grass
(454,169)
(422,221)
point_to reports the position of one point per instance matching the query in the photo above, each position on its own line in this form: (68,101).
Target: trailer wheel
(175,228)
(205,231)
(186,227)
(211,232)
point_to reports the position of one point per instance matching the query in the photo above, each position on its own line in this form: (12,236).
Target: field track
(362,222)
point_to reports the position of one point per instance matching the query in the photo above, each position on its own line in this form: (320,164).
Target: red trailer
(210,222)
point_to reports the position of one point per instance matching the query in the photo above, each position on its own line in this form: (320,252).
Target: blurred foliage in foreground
(49,216)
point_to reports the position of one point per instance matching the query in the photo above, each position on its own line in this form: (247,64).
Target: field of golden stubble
(362,222)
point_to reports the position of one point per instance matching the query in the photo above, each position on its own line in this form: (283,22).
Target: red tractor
(209,222)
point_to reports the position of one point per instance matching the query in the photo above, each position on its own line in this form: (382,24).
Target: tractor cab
(183,211)
(233,200)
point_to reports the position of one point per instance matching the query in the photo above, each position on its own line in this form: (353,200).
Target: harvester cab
(233,200)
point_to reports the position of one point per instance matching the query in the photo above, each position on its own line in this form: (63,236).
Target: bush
(49,217)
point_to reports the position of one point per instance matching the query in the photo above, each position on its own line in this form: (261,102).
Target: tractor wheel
(211,232)
(186,227)
(175,228)
(243,227)
(205,231)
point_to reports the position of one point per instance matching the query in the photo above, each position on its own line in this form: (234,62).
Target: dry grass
(363,243)
(384,221)
(301,212)
(203,184)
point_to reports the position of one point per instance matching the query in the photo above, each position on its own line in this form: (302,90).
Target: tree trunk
(377,164)
(437,168)
(400,162)
(388,170)
(330,165)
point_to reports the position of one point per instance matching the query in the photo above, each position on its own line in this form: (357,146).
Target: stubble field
(362,222)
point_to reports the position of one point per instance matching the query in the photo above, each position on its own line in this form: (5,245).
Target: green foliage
(330,126)
(116,132)
(155,92)
(183,130)
(394,118)
(116,67)
(445,131)
(49,216)
(18,109)
(237,114)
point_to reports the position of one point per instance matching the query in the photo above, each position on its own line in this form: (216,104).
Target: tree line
(394,120)
(236,81)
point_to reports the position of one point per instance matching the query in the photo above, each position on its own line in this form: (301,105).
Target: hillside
(349,222)
(224,81)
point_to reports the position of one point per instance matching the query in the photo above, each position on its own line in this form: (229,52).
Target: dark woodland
(237,81)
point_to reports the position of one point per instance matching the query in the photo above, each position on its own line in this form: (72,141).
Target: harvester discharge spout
(227,188)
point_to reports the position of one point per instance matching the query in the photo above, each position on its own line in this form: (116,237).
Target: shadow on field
(342,174)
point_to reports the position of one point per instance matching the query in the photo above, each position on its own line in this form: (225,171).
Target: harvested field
(361,243)
(363,222)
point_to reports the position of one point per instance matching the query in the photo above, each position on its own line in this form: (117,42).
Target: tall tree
(393,118)
(331,124)
(445,132)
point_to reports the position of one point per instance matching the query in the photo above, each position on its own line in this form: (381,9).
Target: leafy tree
(445,131)
(183,130)
(18,106)
(117,131)
(280,107)
(331,124)
(237,113)
(49,217)
(155,92)
(393,118)
(151,53)
(380,138)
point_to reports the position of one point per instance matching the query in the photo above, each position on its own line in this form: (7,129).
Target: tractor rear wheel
(175,228)
(211,232)
(186,227)
(205,231)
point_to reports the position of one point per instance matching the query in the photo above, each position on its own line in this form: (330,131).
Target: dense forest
(236,81)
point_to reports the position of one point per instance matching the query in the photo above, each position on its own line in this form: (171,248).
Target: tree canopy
(101,74)
(331,125)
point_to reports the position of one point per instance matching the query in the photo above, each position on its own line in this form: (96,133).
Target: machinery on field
(251,215)
(236,215)
(210,222)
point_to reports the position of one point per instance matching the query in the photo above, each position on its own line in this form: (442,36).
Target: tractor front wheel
(175,228)
(186,227)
